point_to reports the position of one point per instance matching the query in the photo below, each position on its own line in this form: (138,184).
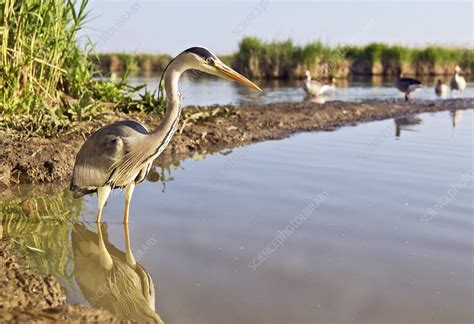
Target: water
(367,223)
(208,91)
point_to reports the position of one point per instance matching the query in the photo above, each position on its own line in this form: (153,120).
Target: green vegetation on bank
(284,59)
(47,82)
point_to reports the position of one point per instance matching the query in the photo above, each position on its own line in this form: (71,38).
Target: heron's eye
(210,61)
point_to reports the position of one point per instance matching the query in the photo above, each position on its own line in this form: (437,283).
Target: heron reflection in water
(112,279)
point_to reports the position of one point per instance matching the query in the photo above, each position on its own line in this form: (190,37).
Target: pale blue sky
(170,26)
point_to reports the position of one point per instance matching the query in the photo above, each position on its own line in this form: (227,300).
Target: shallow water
(208,91)
(367,223)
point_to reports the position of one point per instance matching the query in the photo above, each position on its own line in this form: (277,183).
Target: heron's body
(407,85)
(120,155)
(316,88)
(458,82)
(441,89)
(108,145)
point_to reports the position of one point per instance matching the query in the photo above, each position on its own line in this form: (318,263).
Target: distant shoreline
(284,60)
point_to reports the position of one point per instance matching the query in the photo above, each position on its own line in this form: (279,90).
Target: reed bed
(40,60)
(285,60)
(47,81)
(273,60)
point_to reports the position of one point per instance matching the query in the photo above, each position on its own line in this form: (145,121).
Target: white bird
(458,82)
(316,88)
(441,89)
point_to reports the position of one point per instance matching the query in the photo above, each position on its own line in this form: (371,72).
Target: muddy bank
(34,160)
(26,296)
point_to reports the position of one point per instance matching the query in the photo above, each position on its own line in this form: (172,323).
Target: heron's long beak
(228,73)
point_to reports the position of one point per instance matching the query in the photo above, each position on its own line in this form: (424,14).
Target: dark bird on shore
(458,82)
(441,89)
(120,155)
(316,88)
(407,85)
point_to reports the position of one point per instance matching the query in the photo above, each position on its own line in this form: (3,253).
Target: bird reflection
(402,122)
(110,278)
(456,115)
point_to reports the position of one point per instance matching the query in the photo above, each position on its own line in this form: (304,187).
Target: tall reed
(40,57)
(47,80)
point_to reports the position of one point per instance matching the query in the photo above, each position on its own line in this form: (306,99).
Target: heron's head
(307,74)
(204,60)
(457,69)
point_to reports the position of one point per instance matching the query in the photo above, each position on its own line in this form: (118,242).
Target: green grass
(258,58)
(48,83)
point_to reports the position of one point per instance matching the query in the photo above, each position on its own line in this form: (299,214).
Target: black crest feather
(200,51)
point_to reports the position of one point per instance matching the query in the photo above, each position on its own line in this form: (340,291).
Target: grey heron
(407,85)
(120,155)
(441,89)
(316,88)
(458,82)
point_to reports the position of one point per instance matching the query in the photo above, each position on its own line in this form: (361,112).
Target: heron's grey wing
(94,161)
(133,124)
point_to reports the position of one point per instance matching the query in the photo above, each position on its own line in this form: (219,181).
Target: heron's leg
(128,196)
(407,96)
(128,251)
(102,195)
(105,259)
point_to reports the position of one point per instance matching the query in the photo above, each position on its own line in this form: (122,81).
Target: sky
(171,26)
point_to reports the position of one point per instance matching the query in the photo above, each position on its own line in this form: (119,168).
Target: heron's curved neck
(161,136)
(173,103)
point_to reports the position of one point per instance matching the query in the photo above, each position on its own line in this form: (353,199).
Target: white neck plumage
(162,135)
(172,97)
